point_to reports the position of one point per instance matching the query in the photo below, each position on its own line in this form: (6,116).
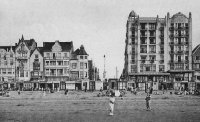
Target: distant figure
(66,91)
(151,90)
(101,89)
(18,92)
(148,98)
(111,103)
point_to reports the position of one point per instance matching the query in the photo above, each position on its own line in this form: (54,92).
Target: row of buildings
(55,65)
(158,53)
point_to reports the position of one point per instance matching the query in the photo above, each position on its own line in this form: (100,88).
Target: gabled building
(158,51)
(36,67)
(79,68)
(7,67)
(196,67)
(56,64)
(23,52)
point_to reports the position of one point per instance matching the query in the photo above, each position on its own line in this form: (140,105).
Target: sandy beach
(34,106)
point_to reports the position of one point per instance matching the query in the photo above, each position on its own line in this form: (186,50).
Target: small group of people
(149,91)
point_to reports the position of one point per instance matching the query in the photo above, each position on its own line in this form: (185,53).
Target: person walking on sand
(18,92)
(111,103)
(148,98)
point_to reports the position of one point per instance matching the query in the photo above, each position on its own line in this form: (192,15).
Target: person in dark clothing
(151,90)
(66,91)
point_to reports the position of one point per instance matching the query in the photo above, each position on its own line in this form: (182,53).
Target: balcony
(143,35)
(152,28)
(143,28)
(179,52)
(60,57)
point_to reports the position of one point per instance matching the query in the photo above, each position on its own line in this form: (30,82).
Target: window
(3,71)
(152,41)
(60,63)
(152,49)
(5,63)
(47,72)
(197,57)
(11,62)
(0,71)
(161,68)
(74,65)
(21,73)
(66,63)
(143,49)
(9,71)
(47,63)
(36,55)
(179,58)
(66,55)
(85,57)
(143,58)
(81,57)
(59,55)
(81,74)
(81,65)
(66,71)
(11,55)
(48,55)
(133,68)
(85,66)
(26,74)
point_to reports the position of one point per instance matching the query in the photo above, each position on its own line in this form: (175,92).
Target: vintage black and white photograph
(99,61)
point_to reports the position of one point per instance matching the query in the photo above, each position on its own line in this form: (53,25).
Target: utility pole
(104,72)
(116,73)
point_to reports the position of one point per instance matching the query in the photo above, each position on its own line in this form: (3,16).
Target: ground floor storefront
(156,80)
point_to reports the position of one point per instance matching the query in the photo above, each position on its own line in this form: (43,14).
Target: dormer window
(81,57)
(85,57)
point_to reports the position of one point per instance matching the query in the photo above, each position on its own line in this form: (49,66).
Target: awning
(180,71)
(150,73)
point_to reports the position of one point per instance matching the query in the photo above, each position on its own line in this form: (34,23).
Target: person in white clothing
(111,103)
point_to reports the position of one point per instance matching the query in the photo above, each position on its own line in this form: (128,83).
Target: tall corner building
(158,51)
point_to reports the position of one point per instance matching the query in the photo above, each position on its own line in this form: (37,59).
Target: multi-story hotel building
(158,51)
(56,63)
(23,53)
(7,67)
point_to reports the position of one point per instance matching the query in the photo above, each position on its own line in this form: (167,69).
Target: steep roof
(39,50)
(195,49)
(8,47)
(66,46)
(81,51)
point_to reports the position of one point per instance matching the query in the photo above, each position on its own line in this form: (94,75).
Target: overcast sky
(100,25)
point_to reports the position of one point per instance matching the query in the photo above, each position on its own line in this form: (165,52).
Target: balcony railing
(56,57)
(142,61)
(145,35)
(151,61)
(179,52)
